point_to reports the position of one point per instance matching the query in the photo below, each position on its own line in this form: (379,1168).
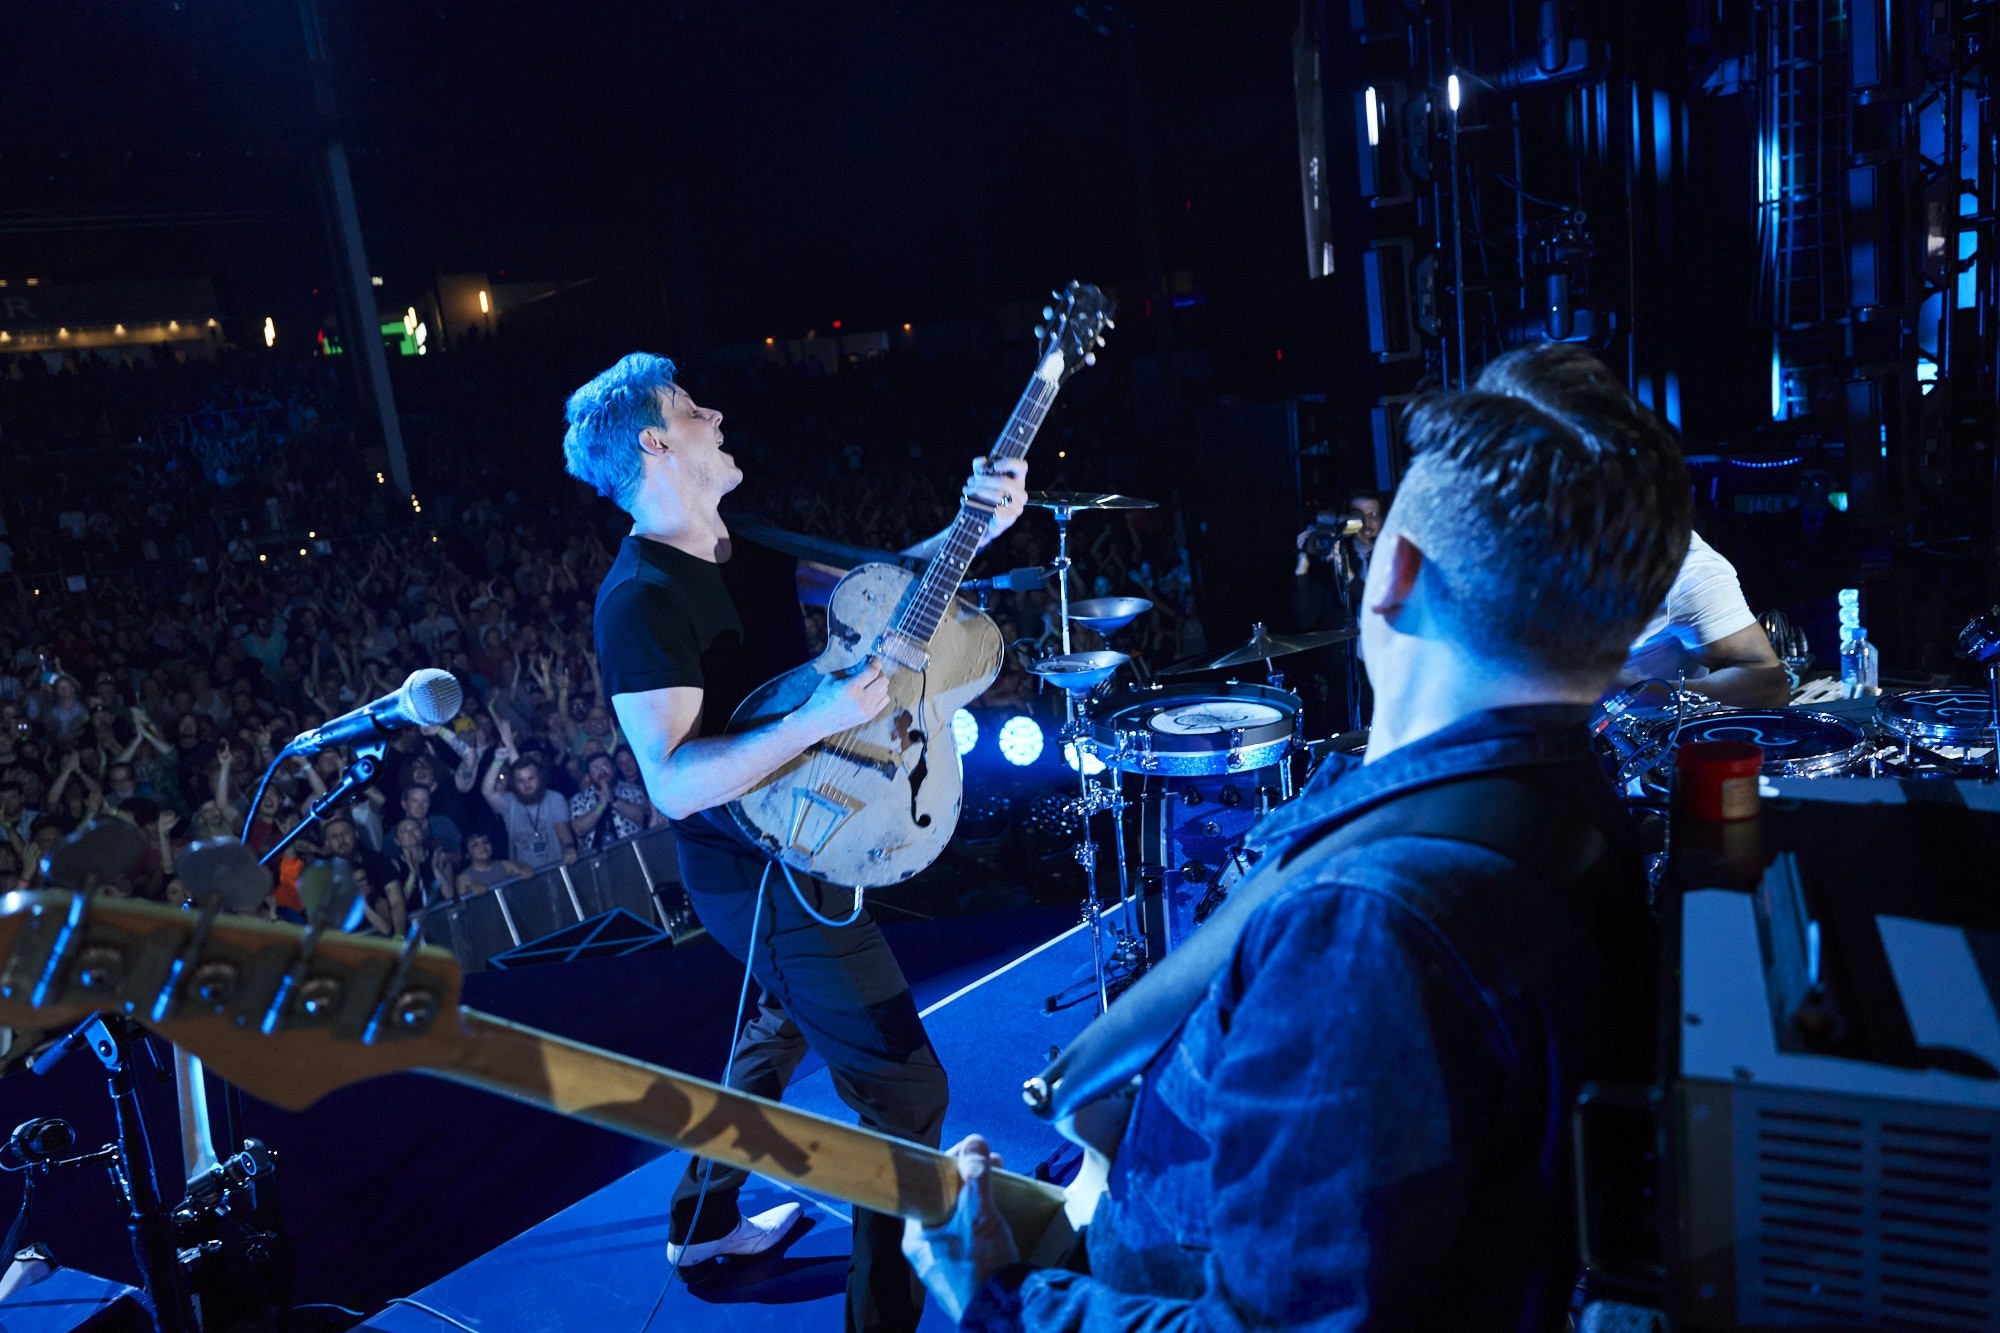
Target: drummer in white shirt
(1705,632)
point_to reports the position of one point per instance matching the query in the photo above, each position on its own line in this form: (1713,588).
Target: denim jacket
(1364,1124)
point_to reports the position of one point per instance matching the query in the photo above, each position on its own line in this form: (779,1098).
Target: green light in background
(1838,499)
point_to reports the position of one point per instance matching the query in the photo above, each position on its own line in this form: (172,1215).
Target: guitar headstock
(1072,329)
(289,1035)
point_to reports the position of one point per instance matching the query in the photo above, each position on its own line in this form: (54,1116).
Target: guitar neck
(847,1162)
(946,569)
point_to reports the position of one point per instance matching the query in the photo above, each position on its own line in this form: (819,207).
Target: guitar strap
(1510,812)
(838,555)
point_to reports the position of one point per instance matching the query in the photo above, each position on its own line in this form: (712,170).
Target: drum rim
(1829,764)
(1207,755)
(1943,733)
(1199,763)
(1104,727)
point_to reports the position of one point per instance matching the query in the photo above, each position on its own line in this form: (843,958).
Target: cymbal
(1261,647)
(1107,614)
(1077,672)
(1087,500)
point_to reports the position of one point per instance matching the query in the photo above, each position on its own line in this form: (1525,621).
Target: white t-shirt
(1704,605)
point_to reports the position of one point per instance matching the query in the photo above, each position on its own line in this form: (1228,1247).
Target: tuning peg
(1090,358)
(1041,332)
(1074,284)
(1100,340)
(1110,323)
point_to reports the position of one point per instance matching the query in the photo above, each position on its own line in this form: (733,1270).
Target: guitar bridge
(816,815)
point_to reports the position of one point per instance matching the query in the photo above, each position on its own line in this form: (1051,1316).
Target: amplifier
(1836,1113)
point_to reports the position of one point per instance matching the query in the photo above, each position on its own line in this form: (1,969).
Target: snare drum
(1939,717)
(1796,743)
(1192,730)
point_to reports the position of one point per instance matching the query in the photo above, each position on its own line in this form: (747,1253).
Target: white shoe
(753,1235)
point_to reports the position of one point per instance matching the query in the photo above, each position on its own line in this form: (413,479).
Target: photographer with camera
(1326,590)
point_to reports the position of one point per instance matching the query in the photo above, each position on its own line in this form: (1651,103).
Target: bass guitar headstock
(286,1014)
(1072,329)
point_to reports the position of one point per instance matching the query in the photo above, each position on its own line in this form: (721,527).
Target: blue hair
(601,447)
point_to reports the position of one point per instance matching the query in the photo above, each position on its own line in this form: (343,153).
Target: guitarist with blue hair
(688,624)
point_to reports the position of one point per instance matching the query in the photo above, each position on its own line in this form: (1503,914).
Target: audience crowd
(202,562)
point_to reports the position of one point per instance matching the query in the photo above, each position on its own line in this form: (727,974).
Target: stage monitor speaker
(64,1300)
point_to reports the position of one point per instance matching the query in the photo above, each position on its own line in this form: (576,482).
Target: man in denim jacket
(1364,1122)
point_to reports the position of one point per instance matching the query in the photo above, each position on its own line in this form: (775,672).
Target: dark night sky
(867,161)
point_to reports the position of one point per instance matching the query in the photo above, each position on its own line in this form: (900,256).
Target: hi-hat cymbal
(1261,647)
(1087,500)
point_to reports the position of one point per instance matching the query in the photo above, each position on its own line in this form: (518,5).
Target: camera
(1326,534)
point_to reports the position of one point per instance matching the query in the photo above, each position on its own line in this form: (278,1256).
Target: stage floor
(600,1264)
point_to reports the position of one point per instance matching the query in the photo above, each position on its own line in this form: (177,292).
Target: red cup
(1718,779)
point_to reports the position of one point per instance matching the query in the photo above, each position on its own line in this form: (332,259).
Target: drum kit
(1227,746)
(1212,759)
(1918,734)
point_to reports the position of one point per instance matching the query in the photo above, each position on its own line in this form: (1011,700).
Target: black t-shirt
(667,618)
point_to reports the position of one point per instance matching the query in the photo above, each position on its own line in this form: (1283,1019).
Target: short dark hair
(1553,534)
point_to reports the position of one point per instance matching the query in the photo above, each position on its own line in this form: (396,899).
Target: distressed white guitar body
(875,805)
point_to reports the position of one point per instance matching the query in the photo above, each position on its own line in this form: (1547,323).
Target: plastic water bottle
(1853,660)
(1871,665)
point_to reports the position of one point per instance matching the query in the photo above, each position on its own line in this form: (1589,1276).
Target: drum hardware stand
(146,1219)
(1093,798)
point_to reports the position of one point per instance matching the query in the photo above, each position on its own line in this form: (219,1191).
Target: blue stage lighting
(1021,741)
(964,732)
(1092,765)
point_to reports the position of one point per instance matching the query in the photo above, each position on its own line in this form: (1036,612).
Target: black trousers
(840,993)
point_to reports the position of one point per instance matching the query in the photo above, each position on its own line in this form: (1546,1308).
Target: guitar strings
(931,599)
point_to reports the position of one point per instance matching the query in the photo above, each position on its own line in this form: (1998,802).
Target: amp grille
(1883,1222)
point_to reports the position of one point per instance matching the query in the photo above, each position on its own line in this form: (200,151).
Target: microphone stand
(357,775)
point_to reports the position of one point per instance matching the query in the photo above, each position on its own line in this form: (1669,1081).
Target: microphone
(1031,579)
(429,698)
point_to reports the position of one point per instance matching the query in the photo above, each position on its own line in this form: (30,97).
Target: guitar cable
(729,1065)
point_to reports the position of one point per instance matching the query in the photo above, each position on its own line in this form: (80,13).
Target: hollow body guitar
(877,804)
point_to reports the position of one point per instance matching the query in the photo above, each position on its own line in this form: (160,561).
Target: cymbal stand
(1075,724)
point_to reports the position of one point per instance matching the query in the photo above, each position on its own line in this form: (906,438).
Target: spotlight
(1451,92)
(1021,741)
(964,732)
